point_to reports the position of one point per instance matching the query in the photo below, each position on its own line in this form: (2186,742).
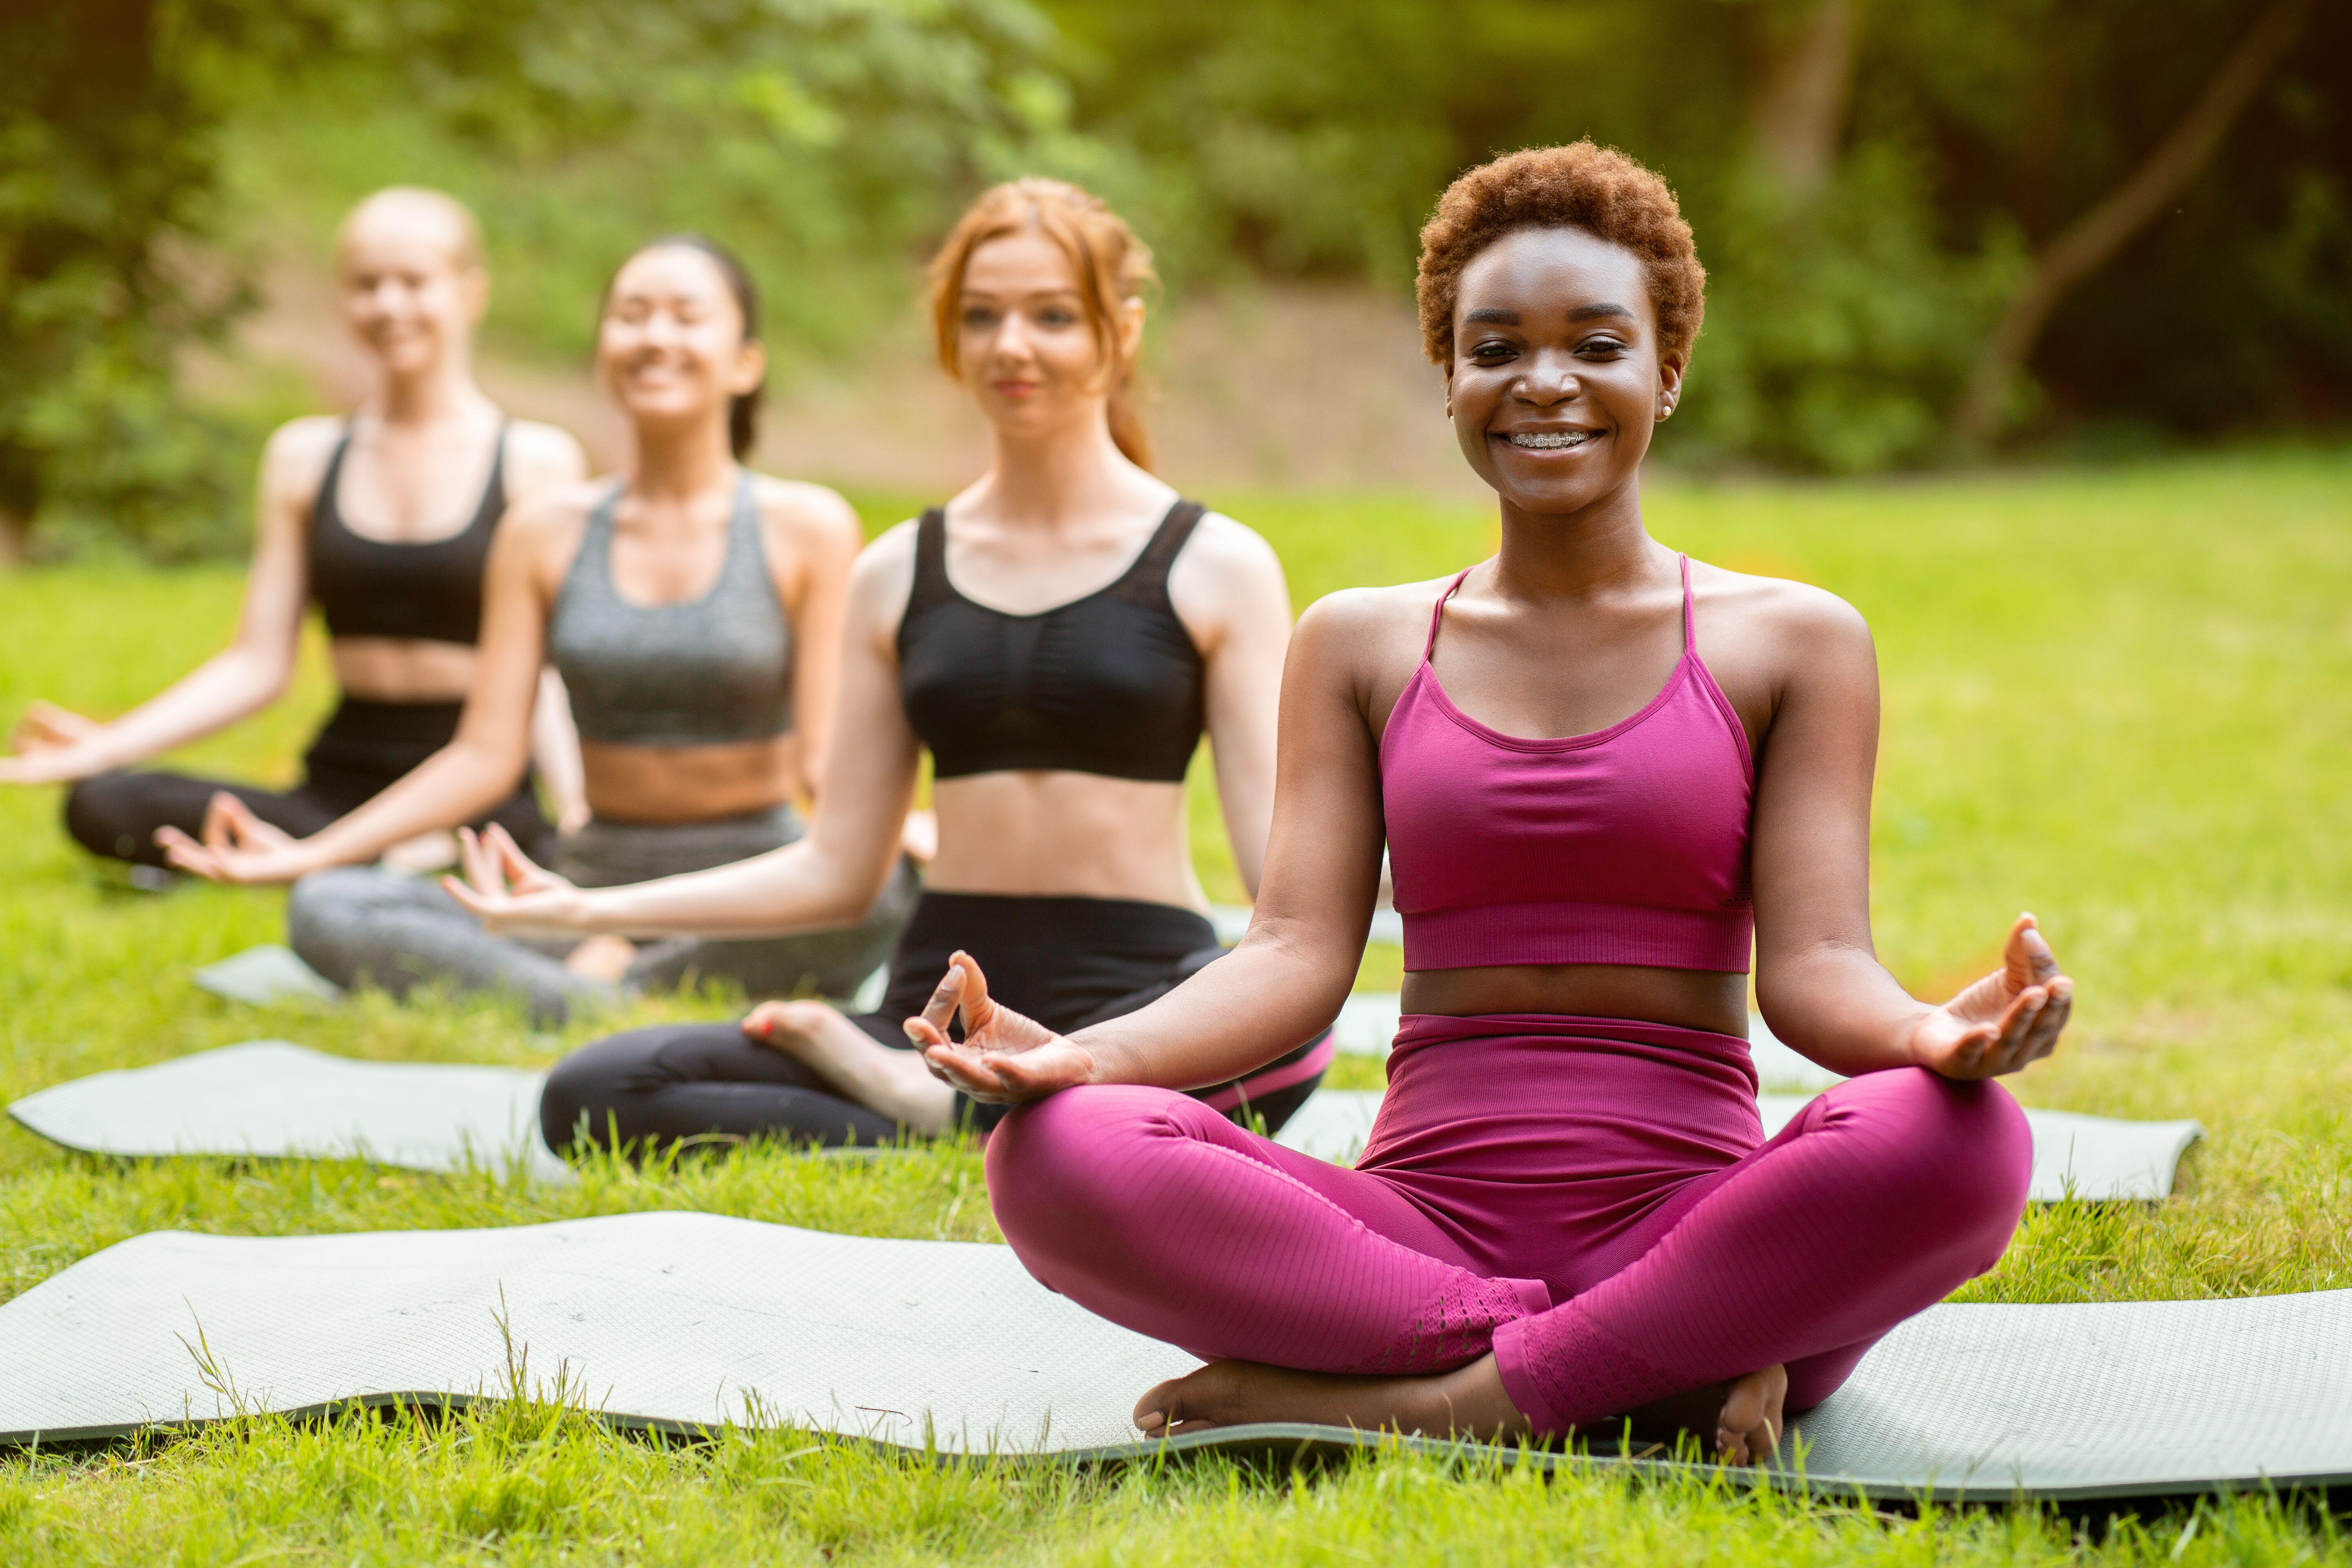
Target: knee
(1059,1162)
(577,1105)
(1959,1153)
(98,817)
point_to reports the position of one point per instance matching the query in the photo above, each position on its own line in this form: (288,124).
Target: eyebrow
(1587,312)
(1491,316)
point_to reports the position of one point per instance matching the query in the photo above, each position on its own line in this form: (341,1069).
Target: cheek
(1072,355)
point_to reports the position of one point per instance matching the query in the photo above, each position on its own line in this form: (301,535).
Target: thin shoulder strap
(932,584)
(494,490)
(1690,632)
(1438,611)
(1167,541)
(323,509)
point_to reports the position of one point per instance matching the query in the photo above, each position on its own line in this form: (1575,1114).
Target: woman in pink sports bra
(1602,771)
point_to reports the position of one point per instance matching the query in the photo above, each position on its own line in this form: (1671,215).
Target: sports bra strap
(1438,610)
(930,585)
(1168,539)
(1690,635)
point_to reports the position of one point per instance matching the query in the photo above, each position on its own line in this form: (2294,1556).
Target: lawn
(2118,698)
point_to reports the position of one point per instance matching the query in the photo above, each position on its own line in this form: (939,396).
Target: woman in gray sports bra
(693,609)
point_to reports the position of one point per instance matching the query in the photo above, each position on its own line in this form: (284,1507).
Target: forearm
(1275,992)
(798,888)
(229,687)
(1836,1004)
(457,784)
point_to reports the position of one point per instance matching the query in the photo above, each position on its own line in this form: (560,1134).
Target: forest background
(1938,230)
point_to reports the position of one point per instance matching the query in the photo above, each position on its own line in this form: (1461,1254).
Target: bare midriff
(402,669)
(689,783)
(1053,834)
(1687,998)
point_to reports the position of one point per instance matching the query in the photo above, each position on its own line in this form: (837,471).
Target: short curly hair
(1581,185)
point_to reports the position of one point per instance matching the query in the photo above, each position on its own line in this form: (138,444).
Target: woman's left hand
(237,846)
(510,893)
(2010,1018)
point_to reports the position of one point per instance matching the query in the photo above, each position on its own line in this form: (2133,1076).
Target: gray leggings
(360,924)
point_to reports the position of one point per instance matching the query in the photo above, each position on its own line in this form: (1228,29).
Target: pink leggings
(1519,1162)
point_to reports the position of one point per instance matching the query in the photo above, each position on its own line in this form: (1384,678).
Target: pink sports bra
(1625,845)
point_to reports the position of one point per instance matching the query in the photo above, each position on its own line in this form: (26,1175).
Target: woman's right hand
(1006,1057)
(48,742)
(510,894)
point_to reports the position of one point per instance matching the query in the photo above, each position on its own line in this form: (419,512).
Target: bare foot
(1740,1419)
(602,957)
(855,1064)
(1468,1402)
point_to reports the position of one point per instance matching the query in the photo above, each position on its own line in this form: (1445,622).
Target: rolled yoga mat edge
(659,1315)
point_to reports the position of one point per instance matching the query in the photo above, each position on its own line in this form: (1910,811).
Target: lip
(1015,389)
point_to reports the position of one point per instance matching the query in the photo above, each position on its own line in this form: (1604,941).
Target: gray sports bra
(710,670)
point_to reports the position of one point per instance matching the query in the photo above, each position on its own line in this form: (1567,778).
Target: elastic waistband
(1018,919)
(432,724)
(779,820)
(1420,1031)
(606,853)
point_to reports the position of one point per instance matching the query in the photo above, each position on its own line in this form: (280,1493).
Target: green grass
(2119,699)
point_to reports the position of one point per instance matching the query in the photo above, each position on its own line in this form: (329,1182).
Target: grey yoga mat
(271,1098)
(2094,1157)
(268,974)
(685,1321)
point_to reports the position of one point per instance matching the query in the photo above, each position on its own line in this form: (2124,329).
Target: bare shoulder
(807,514)
(1374,635)
(883,577)
(1223,546)
(539,454)
(1779,607)
(294,460)
(553,514)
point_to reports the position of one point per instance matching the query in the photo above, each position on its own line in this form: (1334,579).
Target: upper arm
(868,780)
(1809,843)
(814,538)
(516,593)
(1229,591)
(1323,861)
(277,586)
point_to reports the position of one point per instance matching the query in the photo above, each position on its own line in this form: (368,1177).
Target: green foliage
(2076,676)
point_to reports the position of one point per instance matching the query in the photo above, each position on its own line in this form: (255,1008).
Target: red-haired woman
(1599,768)
(1059,636)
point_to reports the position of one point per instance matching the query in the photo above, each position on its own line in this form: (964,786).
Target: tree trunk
(1800,112)
(2094,238)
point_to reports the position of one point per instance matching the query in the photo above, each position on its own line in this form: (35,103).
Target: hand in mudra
(237,846)
(2009,1019)
(509,892)
(1006,1057)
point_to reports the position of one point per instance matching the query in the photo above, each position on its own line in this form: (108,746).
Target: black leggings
(1066,963)
(361,751)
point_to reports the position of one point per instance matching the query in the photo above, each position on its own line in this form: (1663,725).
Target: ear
(1671,367)
(1129,327)
(750,367)
(474,288)
(1449,389)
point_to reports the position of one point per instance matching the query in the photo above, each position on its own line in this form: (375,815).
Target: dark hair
(1581,185)
(743,409)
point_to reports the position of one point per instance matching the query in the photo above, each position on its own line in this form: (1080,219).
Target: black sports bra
(1108,684)
(369,588)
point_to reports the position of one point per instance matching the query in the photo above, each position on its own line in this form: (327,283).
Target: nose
(1549,378)
(1012,342)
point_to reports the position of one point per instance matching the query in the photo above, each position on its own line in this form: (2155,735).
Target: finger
(219,826)
(940,1010)
(471,858)
(964,1070)
(473,903)
(2053,1021)
(921,1033)
(518,866)
(975,989)
(1024,1075)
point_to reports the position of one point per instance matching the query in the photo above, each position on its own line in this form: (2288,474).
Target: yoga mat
(261,975)
(683,1321)
(2090,1157)
(272,1097)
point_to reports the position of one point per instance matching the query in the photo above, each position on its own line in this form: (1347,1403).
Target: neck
(443,391)
(1574,554)
(679,462)
(1071,474)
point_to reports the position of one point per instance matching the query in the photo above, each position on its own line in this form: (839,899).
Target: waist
(685,783)
(402,671)
(1542,1069)
(1705,1000)
(610,851)
(1557,932)
(978,923)
(1063,834)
